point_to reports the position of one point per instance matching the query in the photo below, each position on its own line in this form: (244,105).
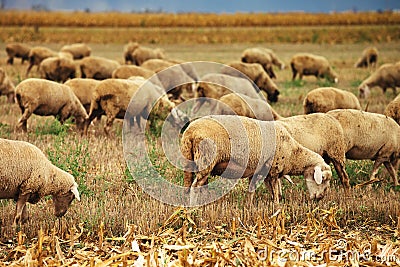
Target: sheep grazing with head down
(369,58)
(240,147)
(329,98)
(128,50)
(256,73)
(371,136)
(265,57)
(48,98)
(37,54)
(309,64)
(27,176)
(83,88)
(57,69)
(393,109)
(78,50)
(17,50)
(386,76)
(98,68)
(142,53)
(126,71)
(7,87)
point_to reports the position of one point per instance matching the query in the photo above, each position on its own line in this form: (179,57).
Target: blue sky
(216,6)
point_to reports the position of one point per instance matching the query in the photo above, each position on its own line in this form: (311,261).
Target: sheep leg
(274,186)
(375,169)
(10,60)
(29,68)
(392,172)
(23,120)
(341,171)
(21,214)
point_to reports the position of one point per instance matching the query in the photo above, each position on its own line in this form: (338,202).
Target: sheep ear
(74,190)
(318,174)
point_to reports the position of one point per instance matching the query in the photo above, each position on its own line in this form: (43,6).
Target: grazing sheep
(158,65)
(243,105)
(37,54)
(309,64)
(393,109)
(27,176)
(128,50)
(83,88)
(17,50)
(256,73)
(57,69)
(386,76)
(113,96)
(329,98)
(368,58)
(98,68)
(263,56)
(126,71)
(371,136)
(141,54)
(322,134)
(78,50)
(7,87)
(46,98)
(240,147)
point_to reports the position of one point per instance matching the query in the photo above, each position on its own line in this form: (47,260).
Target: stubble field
(115,214)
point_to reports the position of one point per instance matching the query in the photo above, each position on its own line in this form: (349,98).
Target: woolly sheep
(128,50)
(386,76)
(126,71)
(158,65)
(27,176)
(46,98)
(78,50)
(256,73)
(244,105)
(368,58)
(212,142)
(371,136)
(37,54)
(57,69)
(113,96)
(309,64)
(322,134)
(98,68)
(83,88)
(263,56)
(393,109)
(324,99)
(7,87)
(141,54)
(17,50)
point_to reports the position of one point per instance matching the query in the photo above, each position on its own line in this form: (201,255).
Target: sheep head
(363,91)
(317,180)
(62,200)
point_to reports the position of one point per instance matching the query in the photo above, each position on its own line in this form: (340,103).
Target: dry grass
(114,211)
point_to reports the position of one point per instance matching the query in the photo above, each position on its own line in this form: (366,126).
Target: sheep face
(364,91)
(63,200)
(317,181)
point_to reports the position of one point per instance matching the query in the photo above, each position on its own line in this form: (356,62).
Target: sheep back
(78,50)
(393,109)
(141,54)
(126,71)
(17,50)
(98,68)
(57,69)
(83,88)
(310,64)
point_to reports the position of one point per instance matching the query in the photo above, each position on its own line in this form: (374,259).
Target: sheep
(98,68)
(45,98)
(324,99)
(256,73)
(371,136)
(57,69)
(240,147)
(263,56)
(393,109)
(244,105)
(7,87)
(309,64)
(113,96)
(83,88)
(322,134)
(216,85)
(368,58)
(37,54)
(386,76)
(141,54)
(78,50)
(17,50)
(158,65)
(27,176)
(126,71)
(128,50)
